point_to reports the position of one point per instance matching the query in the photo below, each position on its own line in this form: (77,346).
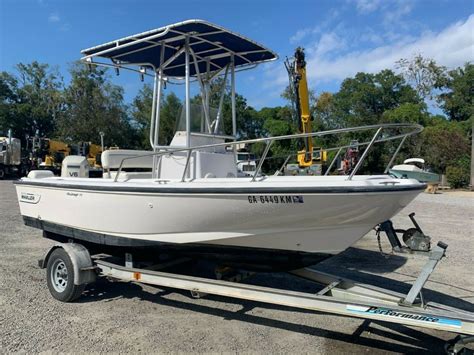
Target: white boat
(414,168)
(191,201)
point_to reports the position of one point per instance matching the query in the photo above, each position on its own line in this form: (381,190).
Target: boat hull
(313,217)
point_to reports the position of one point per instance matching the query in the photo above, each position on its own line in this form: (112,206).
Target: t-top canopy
(212,46)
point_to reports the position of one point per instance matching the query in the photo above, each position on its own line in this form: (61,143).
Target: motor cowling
(75,166)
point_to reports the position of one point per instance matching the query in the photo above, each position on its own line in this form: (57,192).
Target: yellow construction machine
(309,155)
(48,154)
(45,153)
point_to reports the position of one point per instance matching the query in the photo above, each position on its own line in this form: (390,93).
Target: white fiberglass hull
(303,214)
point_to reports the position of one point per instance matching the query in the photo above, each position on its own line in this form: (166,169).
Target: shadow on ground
(414,341)
(403,339)
(360,264)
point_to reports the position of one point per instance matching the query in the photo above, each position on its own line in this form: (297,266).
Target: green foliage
(278,122)
(290,97)
(324,112)
(458,175)
(443,144)
(141,114)
(8,100)
(458,101)
(406,113)
(364,98)
(35,98)
(30,101)
(92,105)
(170,110)
(369,99)
(249,124)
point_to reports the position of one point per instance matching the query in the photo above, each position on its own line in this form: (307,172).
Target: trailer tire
(60,277)
(2,173)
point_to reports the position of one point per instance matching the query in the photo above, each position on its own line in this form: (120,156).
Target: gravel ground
(127,317)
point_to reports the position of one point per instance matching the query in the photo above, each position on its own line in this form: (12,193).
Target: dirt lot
(126,317)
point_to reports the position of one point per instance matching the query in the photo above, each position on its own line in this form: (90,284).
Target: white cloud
(300,34)
(391,9)
(451,47)
(304,33)
(54,17)
(59,23)
(393,13)
(367,6)
(330,60)
(328,43)
(397,13)
(371,36)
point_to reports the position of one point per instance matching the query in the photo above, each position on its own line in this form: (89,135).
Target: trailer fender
(84,272)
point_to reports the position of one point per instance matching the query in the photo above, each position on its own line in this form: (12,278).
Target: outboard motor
(75,166)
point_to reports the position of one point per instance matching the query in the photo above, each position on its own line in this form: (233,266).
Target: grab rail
(416,128)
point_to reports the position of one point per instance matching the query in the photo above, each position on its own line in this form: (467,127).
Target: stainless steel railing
(380,128)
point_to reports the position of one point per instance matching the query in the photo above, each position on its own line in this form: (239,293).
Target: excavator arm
(297,74)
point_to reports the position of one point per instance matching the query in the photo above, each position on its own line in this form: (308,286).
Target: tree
(8,100)
(93,105)
(324,111)
(249,125)
(170,111)
(364,98)
(423,74)
(31,101)
(278,121)
(289,95)
(141,112)
(458,101)
(405,113)
(443,144)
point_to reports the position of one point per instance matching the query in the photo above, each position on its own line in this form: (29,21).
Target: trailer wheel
(2,173)
(60,277)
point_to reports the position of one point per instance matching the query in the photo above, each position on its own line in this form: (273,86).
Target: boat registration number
(285,199)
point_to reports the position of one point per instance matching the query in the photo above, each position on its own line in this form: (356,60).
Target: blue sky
(340,37)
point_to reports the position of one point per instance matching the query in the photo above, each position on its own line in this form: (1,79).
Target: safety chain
(378,230)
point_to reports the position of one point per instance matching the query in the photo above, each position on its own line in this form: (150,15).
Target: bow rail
(376,138)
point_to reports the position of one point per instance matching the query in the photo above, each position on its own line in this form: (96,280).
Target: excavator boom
(297,73)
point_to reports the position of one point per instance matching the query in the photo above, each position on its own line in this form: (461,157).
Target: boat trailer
(66,262)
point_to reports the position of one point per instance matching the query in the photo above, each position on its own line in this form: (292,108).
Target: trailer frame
(341,296)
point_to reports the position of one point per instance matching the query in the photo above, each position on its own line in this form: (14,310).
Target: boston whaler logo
(29,197)
(289,199)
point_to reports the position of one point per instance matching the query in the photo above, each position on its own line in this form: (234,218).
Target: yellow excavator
(48,154)
(89,150)
(309,155)
(45,153)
